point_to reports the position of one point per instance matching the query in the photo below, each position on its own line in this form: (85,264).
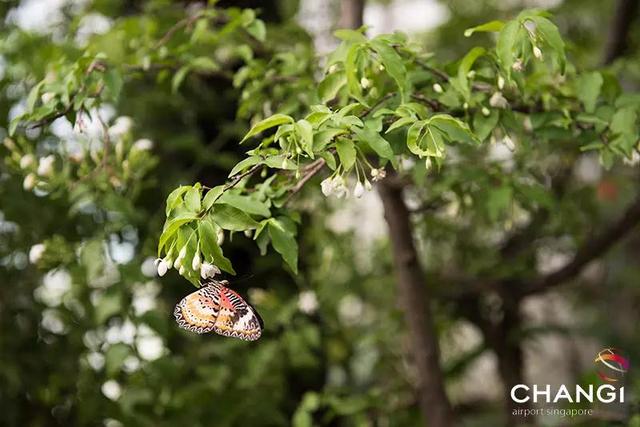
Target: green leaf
(346,153)
(330,86)
(304,129)
(465,67)
(210,248)
(415,134)
(393,64)
(284,243)
(275,120)
(505,45)
(258,30)
(171,227)
(324,137)
(175,198)
(280,162)
(330,159)
(247,204)
(484,125)
(489,27)
(114,358)
(624,121)
(113,82)
(376,142)
(231,218)
(351,71)
(33,96)
(350,35)
(455,129)
(401,122)
(179,77)
(244,164)
(588,89)
(211,196)
(107,306)
(552,38)
(192,199)
(498,201)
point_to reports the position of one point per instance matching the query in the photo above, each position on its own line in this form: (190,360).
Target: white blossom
(208,270)
(162,267)
(537,52)
(36,252)
(437,88)
(143,144)
(26,161)
(508,142)
(358,191)
(340,187)
(307,302)
(45,165)
(120,127)
(327,187)
(195,264)
(378,174)
(29,182)
(498,101)
(111,390)
(634,160)
(518,65)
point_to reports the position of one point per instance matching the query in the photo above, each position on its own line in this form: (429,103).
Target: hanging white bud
(367,185)
(177,263)
(29,182)
(183,253)
(26,161)
(36,252)
(248,233)
(508,142)
(498,101)
(327,187)
(220,236)
(47,96)
(500,82)
(143,144)
(358,191)
(465,105)
(428,164)
(486,112)
(45,165)
(208,270)
(437,88)
(8,142)
(526,123)
(365,83)
(518,65)
(537,52)
(332,69)
(195,264)
(162,267)
(181,270)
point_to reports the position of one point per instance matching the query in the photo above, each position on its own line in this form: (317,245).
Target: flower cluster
(337,186)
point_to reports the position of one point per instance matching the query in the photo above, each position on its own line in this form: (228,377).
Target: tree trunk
(617,40)
(351,13)
(434,404)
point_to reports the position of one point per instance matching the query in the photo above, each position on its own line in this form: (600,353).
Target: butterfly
(214,307)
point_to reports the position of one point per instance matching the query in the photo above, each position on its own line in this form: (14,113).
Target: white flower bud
(367,185)
(26,161)
(518,65)
(177,263)
(327,187)
(358,191)
(120,127)
(47,96)
(162,267)
(182,253)
(220,236)
(36,252)
(181,270)
(428,164)
(208,270)
(248,233)
(332,69)
(195,264)
(500,82)
(498,101)
(307,302)
(465,105)
(509,143)
(8,142)
(537,52)
(29,182)
(437,88)
(526,123)
(365,83)
(485,112)
(45,165)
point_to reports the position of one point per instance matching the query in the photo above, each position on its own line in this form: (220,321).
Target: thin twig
(237,178)
(314,167)
(185,22)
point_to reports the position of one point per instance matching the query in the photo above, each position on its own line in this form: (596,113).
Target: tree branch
(590,250)
(617,40)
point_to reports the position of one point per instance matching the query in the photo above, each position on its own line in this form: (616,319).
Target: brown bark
(434,404)
(351,13)
(617,41)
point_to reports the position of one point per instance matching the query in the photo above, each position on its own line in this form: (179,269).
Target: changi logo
(611,365)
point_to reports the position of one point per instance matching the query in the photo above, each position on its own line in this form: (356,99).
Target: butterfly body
(214,307)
